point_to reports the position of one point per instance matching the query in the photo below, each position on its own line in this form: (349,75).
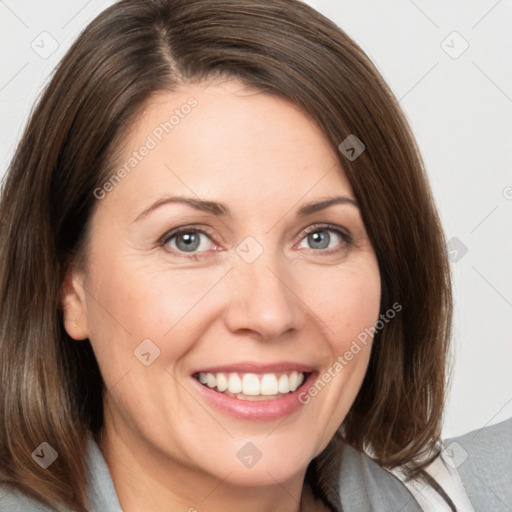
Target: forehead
(226,142)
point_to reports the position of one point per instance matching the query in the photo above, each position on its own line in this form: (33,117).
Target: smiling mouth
(253,386)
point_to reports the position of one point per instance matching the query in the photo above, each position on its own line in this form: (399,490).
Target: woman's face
(218,256)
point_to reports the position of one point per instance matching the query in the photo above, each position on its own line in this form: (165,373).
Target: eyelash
(344,235)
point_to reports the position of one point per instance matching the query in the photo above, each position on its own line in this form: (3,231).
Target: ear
(73,302)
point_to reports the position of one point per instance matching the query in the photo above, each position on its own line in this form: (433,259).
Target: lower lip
(256,410)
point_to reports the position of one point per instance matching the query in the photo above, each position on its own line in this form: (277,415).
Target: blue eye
(319,239)
(188,241)
(324,237)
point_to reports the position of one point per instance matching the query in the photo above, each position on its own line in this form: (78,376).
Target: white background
(460,110)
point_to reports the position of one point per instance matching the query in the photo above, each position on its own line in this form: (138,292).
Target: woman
(224,282)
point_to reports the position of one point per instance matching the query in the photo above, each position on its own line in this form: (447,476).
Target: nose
(263,299)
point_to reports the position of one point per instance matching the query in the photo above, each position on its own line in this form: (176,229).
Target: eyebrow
(221,210)
(217,209)
(311,208)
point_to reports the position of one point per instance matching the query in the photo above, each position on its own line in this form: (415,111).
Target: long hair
(51,385)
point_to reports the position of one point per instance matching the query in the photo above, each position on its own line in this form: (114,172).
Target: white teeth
(293,381)
(284,384)
(269,384)
(251,384)
(234,383)
(211,381)
(222,382)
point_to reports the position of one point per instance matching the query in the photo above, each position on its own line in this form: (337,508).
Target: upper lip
(253,367)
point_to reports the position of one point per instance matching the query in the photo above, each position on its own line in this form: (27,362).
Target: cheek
(346,299)
(136,301)
(347,302)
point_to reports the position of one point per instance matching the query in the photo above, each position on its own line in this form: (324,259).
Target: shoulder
(367,487)
(483,459)
(13,500)
(495,440)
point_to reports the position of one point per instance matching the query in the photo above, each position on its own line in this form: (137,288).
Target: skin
(168,448)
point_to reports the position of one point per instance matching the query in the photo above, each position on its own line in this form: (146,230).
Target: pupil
(319,240)
(187,242)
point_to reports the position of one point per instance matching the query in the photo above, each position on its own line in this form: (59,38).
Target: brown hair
(52,388)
